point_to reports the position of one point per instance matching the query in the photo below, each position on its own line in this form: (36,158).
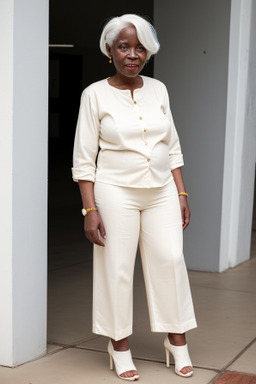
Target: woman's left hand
(185,211)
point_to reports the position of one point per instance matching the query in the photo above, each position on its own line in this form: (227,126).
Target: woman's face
(128,54)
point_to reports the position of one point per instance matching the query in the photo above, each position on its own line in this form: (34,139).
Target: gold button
(135,102)
(148,160)
(145,129)
(140,117)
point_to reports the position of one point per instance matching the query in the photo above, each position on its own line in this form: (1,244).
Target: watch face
(83,212)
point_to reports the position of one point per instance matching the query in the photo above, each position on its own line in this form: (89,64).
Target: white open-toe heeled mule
(123,362)
(180,355)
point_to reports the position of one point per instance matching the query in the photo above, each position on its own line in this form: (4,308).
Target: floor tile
(236,378)
(246,362)
(240,278)
(221,332)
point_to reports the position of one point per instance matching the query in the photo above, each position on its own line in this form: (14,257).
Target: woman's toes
(129,374)
(186,370)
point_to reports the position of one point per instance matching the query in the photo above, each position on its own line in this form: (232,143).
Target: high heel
(123,362)
(180,355)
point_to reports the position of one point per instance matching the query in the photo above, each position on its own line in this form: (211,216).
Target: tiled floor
(224,342)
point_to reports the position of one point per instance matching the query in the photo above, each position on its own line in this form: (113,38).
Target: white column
(240,142)
(23,170)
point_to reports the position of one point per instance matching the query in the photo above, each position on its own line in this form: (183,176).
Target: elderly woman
(127,160)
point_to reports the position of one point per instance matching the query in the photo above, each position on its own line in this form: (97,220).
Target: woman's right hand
(93,226)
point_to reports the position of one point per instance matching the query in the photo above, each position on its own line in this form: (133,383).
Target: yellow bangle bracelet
(183,194)
(85,211)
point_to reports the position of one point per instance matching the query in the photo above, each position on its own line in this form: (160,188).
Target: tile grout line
(224,369)
(216,377)
(240,353)
(87,339)
(220,289)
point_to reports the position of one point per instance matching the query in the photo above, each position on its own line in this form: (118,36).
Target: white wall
(207,60)
(193,63)
(23,169)
(240,147)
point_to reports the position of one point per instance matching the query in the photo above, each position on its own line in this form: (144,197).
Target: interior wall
(193,63)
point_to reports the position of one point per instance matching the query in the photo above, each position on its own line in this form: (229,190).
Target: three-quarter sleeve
(86,140)
(175,154)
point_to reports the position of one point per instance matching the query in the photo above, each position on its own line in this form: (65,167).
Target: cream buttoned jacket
(135,138)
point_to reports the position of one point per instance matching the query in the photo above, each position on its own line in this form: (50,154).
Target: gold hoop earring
(110,60)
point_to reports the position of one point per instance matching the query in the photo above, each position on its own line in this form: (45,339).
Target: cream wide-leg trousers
(151,217)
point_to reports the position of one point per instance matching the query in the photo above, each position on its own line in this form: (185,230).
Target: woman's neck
(123,82)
